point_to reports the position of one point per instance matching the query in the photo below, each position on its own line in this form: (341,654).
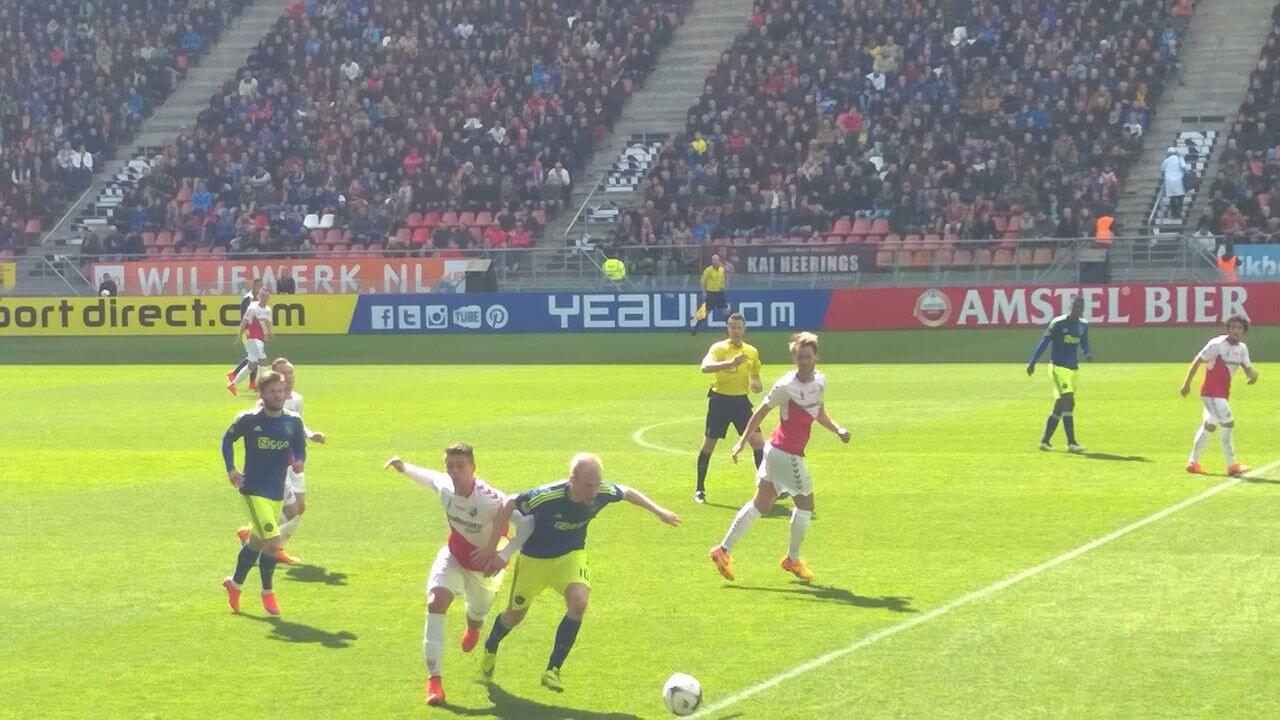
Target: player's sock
(741,524)
(240,367)
(759,456)
(1069,427)
(244,370)
(290,526)
(799,526)
(433,643)
(1197,447)
(1228,445)
(244,563)
(704,459)
(1050,427)
(267,568)
(566,634)
(498,632)
(253,374)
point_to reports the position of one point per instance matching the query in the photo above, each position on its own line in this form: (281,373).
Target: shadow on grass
(1114,458)
(315,574)
(292,632)
(823,593)
(506,705)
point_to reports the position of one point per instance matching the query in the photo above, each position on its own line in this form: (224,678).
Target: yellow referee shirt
(738,380)
(713,278)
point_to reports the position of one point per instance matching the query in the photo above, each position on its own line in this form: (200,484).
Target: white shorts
(294,483)
(478,591)
(255,350)
(1217,411)
(786,472)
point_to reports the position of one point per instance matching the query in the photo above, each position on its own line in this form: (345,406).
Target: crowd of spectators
(373,125)
(1244,197)
(965,119)
(76,77)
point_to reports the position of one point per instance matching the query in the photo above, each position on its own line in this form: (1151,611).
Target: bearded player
(799,397)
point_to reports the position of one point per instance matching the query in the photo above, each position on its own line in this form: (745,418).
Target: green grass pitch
(116,522)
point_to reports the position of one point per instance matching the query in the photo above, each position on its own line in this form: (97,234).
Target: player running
(257,330)
(798,395)
(295,484)
(1069,336)
(273,442)
(736,366)
(1220,356)
(249,298)
(555,556)
(472,507)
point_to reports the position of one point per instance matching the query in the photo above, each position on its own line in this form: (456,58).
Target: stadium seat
(1003,258)
(983,258)
(431,218)
(317,236)
(356,249)
(540,216)
(944,257)
(1042,257)
(884,259)
(404,235)
(873,240)
(333,237)
(932,242)
(484,218)
(476,233)
(148,238)
(326,221)
(892,242)
(961,258)
(466,219)
(311,221)
(413,220)
(1001,222)
(449,219)
(922,258)
(339,249)
(33,227)
(164,238)
(421,237)
(911,242)
(1022,257)
(880,226)
(903,258)
(842,226)
(860,226)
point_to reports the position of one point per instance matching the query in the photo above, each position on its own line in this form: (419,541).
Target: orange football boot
(233,594)
(796,568)
(435,691)
(469,639)
(1239,469)
(1195,468)
(233,389)
(286,558)
(723,562)
(270,604)
(243,534)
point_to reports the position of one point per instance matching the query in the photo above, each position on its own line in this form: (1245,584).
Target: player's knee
(709,444)
(1068,402)
(1229,424)
(271,545)
(575,604)
(804,502)
(299,505)
(1210,427)
(438,600)
(512,616)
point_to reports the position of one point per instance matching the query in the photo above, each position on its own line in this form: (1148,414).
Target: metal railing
(812,265)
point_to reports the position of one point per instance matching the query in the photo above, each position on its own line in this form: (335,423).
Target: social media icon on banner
(436,317)
(496,316)
(467,317)
(410,317)
(382,317)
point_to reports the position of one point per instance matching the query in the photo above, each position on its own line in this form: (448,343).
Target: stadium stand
(870,123)
(80,76)
(1244,196)
(391,125)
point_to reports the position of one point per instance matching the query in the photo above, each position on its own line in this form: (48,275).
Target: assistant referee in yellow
(736,366)
(713,297)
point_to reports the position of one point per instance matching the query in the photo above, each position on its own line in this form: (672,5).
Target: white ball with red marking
(683,694)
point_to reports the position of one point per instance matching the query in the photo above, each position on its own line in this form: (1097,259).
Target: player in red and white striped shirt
(1220,356)
(257,329)
(799,397)
(471,506)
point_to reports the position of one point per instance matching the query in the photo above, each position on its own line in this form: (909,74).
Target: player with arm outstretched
(257,329)
(555,555)
(472,508)
(735,365)
(799,397)
(273,442)
(1068,335)
(1221,356)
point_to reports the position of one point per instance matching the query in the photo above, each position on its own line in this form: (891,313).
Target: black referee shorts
(716,300)
(726,410)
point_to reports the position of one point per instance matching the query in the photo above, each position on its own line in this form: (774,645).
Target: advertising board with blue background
(578,312)
(1258,262)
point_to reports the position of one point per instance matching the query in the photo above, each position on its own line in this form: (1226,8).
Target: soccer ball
(615,269)
(682,693)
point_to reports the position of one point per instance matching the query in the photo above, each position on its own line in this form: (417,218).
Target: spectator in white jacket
(1174,168)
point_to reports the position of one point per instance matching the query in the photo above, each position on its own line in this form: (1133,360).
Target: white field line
(638,437)
(963,600)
